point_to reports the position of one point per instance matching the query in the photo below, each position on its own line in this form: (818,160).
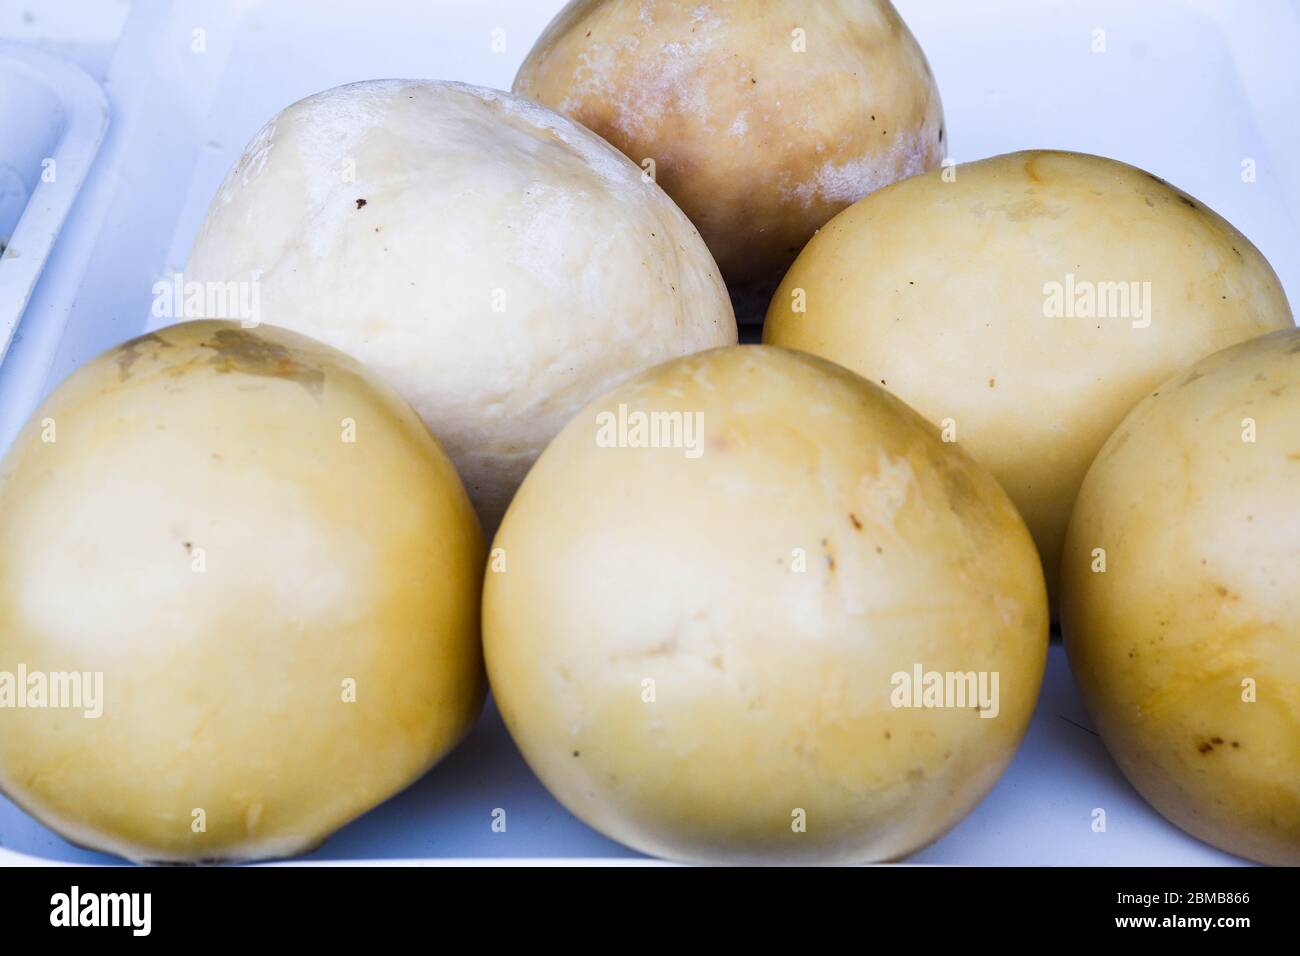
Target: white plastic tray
(53,117)
(1188,89)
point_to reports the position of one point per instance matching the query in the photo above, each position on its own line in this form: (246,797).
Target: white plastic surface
(52,118)
(1195,91)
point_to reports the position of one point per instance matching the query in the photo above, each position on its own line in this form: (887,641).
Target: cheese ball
(1025,307)
(497,264)
(239,598)
(763,120)
(1181,598)
(720,594)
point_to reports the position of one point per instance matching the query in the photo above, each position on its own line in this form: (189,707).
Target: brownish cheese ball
(762,119)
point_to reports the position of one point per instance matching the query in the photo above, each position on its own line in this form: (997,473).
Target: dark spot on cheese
(242,352)
(129,353)
(360,203)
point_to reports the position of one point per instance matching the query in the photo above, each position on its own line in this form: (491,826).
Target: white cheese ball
(496,263)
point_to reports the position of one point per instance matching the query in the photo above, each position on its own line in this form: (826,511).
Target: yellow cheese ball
(1181,598)
(1025,307)
(715,650)
(763,120)
(258,575)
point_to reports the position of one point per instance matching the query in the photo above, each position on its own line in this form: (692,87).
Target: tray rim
(85,122)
